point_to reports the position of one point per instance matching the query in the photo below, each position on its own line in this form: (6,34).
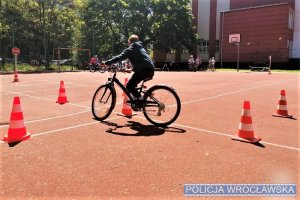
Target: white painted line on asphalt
(42,90)
(56,89)
(187,102)
(234,92)
(68,128)
(44,98)
(228,135)
(50,118)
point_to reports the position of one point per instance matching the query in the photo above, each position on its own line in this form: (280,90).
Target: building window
(203,47)
(185,50)
(172,51)
(291,19)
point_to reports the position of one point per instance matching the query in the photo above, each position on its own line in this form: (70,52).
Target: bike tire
(153,93)
(107,93)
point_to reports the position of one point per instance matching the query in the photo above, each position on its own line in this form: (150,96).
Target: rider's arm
(120,57)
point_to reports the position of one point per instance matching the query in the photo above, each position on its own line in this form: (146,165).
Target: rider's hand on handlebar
(102,64)
(127,71)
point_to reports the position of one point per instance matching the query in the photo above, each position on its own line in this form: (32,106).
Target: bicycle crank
(161,107)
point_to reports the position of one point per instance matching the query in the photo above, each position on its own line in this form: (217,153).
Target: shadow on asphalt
(258,144)
(13,144)
(139,129)
(4,123)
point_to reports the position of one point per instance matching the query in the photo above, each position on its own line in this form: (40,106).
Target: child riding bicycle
(142,64)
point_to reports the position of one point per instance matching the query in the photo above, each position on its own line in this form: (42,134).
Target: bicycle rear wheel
(103,103)
(162,105)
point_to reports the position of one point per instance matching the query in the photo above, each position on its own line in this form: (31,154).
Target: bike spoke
(159,107)
(102,103)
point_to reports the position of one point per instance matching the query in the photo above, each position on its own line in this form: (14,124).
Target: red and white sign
(15,51)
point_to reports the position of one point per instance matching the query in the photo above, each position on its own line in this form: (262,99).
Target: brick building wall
(264,31)
(236,4)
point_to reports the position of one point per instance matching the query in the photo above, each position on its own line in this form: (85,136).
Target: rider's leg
(132,84)
(136,78)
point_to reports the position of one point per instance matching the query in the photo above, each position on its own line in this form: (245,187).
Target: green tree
(172,25)
(37,26)
(111,23)
(164,23)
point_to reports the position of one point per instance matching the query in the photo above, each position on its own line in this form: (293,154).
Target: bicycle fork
(105,100)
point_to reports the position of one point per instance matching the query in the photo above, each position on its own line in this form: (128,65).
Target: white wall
(222,5)
(203,18)
(296,40)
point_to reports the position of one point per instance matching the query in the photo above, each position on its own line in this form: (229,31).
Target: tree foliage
(36,26)
(39,26)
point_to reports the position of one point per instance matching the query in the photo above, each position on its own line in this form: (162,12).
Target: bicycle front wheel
(104,101)
(162,105)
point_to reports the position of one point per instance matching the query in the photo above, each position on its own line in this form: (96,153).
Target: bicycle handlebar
(113,68)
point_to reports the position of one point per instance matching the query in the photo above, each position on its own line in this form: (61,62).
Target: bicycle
(95,67)
(203,67)
(160,105)
(211,67)
(192,67)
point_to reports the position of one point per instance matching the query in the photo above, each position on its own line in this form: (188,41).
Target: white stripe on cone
(246,112)
(16,108)
(62,94)
(282,98)
(245,127)
(16,124)
(282,107)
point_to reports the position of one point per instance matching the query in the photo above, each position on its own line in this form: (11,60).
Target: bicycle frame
(113,79)
(151,98)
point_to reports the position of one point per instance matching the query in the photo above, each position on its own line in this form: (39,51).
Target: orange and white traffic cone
(245,132)
(126,110)
(16,77)
(62,97)
(16,131)
(125,83)
(282,110)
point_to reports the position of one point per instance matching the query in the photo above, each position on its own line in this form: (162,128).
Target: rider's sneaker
(137,105)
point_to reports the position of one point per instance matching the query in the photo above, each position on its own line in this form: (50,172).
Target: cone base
(128,116)
(62,102)
(16,81)
(252,140)
(7,140)
(283,116)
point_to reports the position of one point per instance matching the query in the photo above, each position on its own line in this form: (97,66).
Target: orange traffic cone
(125,83)
(17,131)
(62,97)
(245,132)
(282,110)
(126,110)
(16,78)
